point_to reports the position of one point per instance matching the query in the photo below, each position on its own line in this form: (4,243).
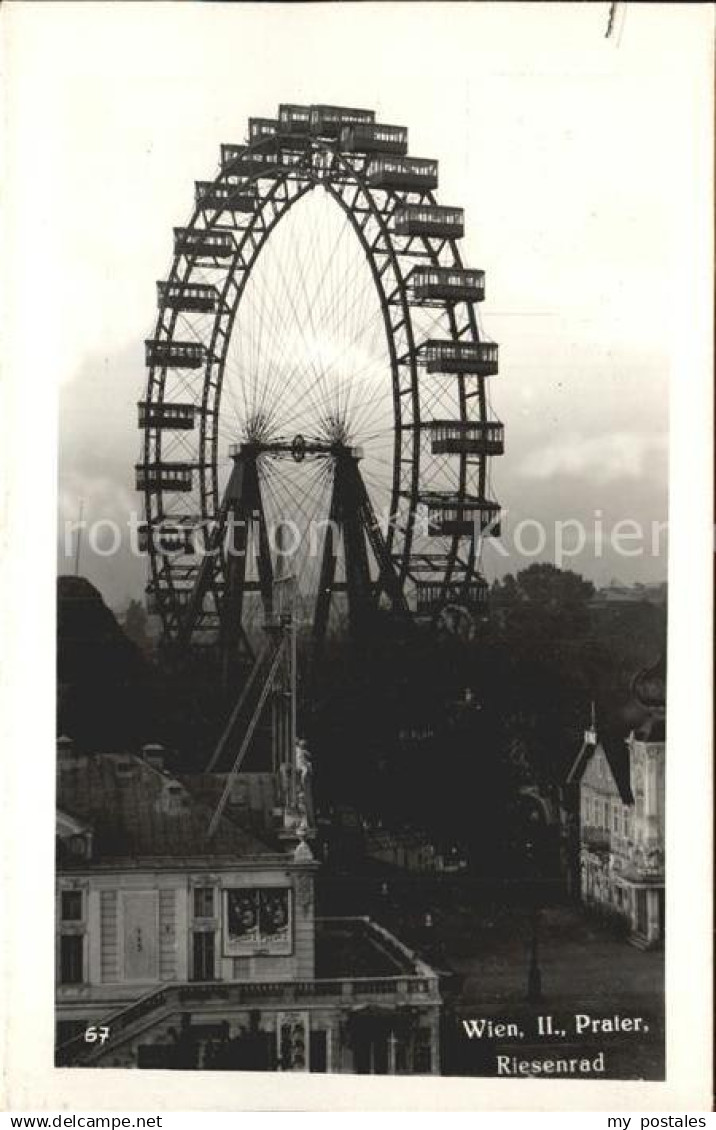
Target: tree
(135,625)
(543,599)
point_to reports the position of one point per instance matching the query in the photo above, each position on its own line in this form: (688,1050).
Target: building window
(203,902)
(203,956)
(78,846)
(71,959)
(615,818)
(71,906)
(606,816)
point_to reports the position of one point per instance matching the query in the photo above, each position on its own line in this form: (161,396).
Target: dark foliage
(433,732)
(103,682)
(396,737)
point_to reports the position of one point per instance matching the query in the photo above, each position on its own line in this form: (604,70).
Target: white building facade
(622,819)
(179,951)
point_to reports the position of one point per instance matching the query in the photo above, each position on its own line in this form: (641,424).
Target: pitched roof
(251,801)
(136,810)
(579,764)
(617,757)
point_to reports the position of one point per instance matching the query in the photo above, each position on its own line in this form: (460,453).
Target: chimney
(590,735)
(68,756)
(66,752)
(154,754)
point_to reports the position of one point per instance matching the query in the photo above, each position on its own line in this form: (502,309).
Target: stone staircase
(124,1026)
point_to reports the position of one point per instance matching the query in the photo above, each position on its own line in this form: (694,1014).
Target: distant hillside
(102,679)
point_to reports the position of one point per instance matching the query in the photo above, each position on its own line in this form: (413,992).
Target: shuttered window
(71,959)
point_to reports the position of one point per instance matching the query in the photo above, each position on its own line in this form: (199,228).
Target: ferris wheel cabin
(450,284)
(203,244)
(174,354)
(263,131)
(476,357)
(413,173)
(473,437)
(455,515)
(430,219)
(242,161)
(165,538)
(294,119)
(371,137)
(432,596)
(199,298)
(174,417)
(165,476)
(212,196)
(328,121)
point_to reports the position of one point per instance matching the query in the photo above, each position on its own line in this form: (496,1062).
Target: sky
(571,153)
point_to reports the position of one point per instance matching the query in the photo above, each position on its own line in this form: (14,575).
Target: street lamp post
(534,976)
(534,973)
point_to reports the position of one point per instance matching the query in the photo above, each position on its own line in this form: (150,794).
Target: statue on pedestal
(304,772)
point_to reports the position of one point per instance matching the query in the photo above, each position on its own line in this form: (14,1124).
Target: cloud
(605,458)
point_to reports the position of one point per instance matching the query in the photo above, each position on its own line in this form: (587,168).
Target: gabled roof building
(620,819)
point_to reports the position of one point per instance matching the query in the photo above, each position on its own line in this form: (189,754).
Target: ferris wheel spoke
(250,359)
(362,292)
(340,384)
(307,325)
(264,310)
(327,289)
(337,315)
(302,509)
(299,364)
(299,494)
(282,310)
(319,385)
(256,375)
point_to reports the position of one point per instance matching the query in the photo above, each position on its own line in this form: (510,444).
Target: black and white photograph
(358,327)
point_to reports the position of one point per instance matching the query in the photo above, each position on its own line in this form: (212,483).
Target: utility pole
(79,538)
(293,661)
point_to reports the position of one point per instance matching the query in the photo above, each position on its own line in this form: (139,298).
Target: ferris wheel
(317,396)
